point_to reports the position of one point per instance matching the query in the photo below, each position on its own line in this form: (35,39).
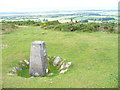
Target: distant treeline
(69,26)
(23,23)
(52,15)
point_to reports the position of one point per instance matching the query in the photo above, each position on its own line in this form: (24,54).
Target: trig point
(38,59)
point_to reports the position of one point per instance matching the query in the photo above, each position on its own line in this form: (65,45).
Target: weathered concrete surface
(38,59)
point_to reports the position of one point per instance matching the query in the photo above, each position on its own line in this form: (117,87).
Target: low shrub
(83,27)
(7,28)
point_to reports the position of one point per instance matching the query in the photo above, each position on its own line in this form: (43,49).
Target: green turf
(94,57)
(24,73)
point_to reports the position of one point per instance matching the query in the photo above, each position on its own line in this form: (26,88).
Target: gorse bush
(62,27)
(52,22)
(70,26)
(84,27)
(49,23)
(24,23)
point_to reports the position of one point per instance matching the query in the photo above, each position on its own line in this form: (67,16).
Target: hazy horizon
(50,5)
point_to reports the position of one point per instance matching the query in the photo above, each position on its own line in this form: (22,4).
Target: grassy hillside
(94,57)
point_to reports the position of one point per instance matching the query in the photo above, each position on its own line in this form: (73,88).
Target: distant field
(63,16)
(94,57)
(37,14)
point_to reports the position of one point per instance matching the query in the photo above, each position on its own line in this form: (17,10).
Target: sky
(47,5)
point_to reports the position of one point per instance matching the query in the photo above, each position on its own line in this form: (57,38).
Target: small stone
(36,74)
(26,62)
(14,70)
(62,66)
(23,65)
(32,77)
(11,74)
(63,71)
(68,64)
(65,65)
(57,59)
(19,68)
(61,63)
(50,74)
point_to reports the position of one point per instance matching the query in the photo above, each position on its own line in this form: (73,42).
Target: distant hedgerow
(83,27)
(69,26)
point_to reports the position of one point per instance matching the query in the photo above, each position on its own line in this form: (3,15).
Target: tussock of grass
(8,28)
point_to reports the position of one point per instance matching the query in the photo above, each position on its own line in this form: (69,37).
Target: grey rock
(36,74)
(62,66)
(23,65)
(38,59)
(26,62)
(63,71)
(68,64)
(55,62)
(50,74)
(11,74)
(19,68)
(32,77)
(14,70)
(61,63)
(65,65)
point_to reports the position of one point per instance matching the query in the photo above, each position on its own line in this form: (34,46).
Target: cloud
(35,5)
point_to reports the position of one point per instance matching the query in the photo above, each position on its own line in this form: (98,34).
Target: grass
(24,73)
(94,57)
